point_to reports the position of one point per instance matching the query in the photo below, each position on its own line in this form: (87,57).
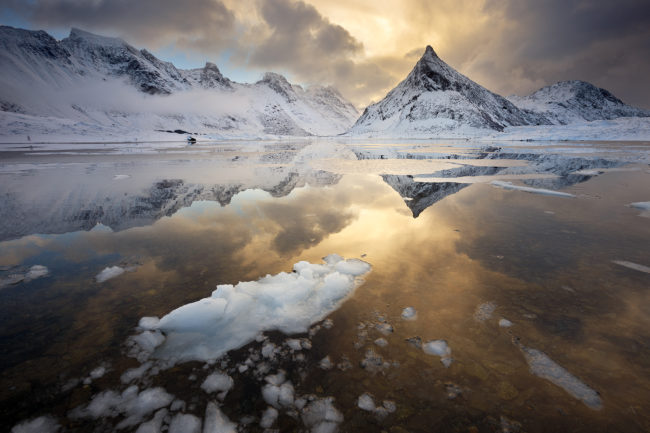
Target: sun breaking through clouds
(365,47)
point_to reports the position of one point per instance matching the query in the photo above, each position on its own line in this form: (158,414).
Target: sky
(365,47)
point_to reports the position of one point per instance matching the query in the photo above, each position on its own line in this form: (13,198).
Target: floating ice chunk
(185,423)
(634,266)
(439,348)
(278,392)
(294,344)
(328,323)
(505,323)
(543,366)
(389,405)
(268,417)
(133,405)
(268,350)
(218,382)
(108,273)
(235,315)
(36,271)
(42,424)
(135,373)
(320,416)
(366,402)
(484,311)
(409,313)
(121,176)
(155,424)
(643,205)
(11,279)
(326,363)
(216,422)
(381,342)
(149,323)
(148,340)
(510,186)
(385,328)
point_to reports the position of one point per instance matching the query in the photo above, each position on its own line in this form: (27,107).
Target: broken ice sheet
(235,315)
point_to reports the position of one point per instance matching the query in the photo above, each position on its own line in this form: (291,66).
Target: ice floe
(366,402)
(216,422)
(409,313)
(543,366)
(234,315)
(631,265)
(511,186)
(505,323)
(134,405)
(439,348)
(185,423)
(108,273)
(320,416)
(42,424)
(218,382)
(381,342)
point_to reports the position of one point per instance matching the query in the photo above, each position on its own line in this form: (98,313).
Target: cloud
(365,47)
(196,24)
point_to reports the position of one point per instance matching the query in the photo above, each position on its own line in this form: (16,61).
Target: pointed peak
(429,51)
(92,38)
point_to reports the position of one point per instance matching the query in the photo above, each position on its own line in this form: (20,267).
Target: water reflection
(544,263)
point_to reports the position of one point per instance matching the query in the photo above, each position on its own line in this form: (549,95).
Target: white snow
(216,422)
(278,392)
(154,425)
(511,186)
(409,313)
(235,315)
(543,366)
(631,265)
(108,273)
(42,424)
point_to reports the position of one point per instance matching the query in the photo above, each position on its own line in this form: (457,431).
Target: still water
(540,302)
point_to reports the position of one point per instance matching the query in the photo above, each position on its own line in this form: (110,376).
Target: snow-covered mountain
(435,99)
(92,86)
(574,101)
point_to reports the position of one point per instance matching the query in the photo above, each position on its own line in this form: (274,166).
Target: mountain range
(93,87)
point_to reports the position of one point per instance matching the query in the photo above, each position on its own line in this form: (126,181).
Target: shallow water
(463,255)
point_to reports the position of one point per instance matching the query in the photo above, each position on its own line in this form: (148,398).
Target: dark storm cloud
(541,42)
(197,23)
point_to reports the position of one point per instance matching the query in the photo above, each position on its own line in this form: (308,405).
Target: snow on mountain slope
(574,101)
(92,87)
(435,99)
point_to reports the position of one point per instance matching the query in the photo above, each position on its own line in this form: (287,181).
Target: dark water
(189,222)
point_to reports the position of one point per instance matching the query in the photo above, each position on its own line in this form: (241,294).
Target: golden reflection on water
(544,262)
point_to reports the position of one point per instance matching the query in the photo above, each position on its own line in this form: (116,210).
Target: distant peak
(78,34)
(429,51)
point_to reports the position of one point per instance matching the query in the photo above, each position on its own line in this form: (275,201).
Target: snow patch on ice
(185,423)
(235,315)
(218,382)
